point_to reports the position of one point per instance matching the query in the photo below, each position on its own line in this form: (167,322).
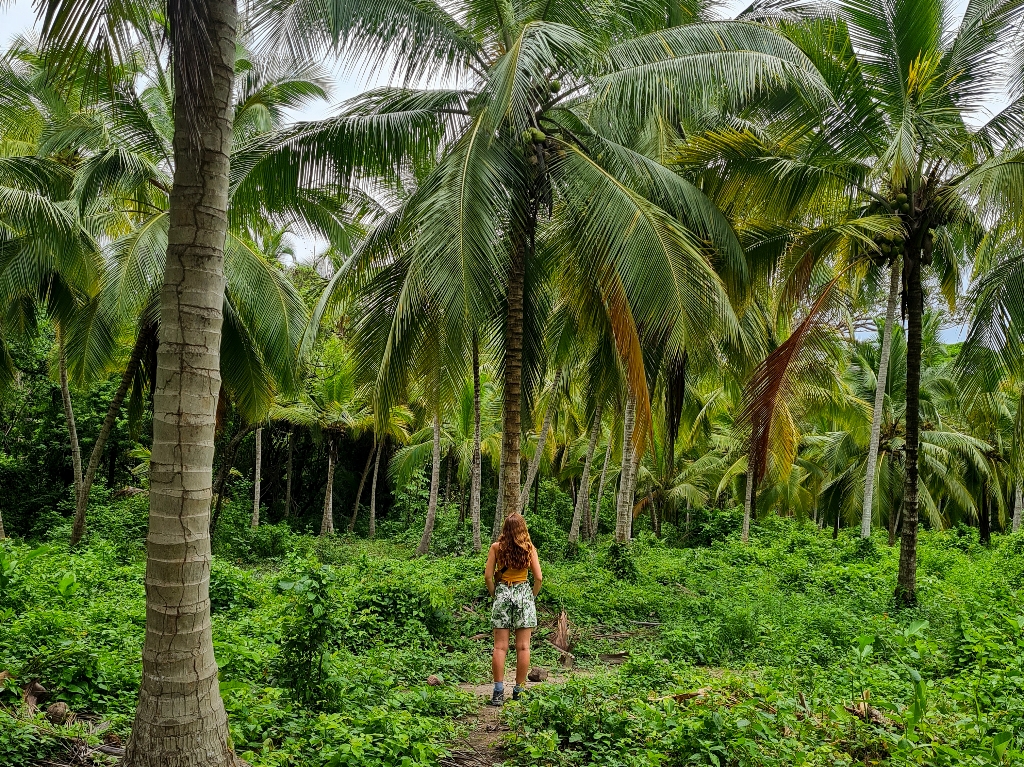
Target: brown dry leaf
(561,637)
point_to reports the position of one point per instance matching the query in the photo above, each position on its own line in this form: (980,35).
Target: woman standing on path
(509,560)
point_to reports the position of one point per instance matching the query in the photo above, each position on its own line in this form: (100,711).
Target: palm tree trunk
(499,516)
(288,483)
(634,464)
(256,481)
(477,471)
(531,474)
(227,461)
(748,501)
(624,506)
(327,522)
(181,721)
(3,535)
(583,497)
(141,345)
(435,481)
(69,417)
(359,492)
(1018,501)
(513,379)
(906,581)
(984,521)
(373,492)
(600,491)
(876,414)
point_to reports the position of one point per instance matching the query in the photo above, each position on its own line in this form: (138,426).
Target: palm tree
(540,157)
(901,143)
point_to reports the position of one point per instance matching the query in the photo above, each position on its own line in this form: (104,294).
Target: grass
(735,655)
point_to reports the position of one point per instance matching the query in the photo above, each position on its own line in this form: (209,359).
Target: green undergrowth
(784,651)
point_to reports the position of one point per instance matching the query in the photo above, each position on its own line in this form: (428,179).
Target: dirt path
(482,745)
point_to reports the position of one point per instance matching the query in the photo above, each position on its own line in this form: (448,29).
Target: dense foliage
(734,654)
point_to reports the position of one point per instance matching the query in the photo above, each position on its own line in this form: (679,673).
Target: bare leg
(498,656)
(522,655)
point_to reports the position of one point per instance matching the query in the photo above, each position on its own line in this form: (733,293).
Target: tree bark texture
(359,492)
(181,721)
(373,491)
(876,414)
(1018,500)
(906,582)
(257,478)
(600,491)
(748,500)
(624,505)
(327,522)
(81,506)
(513,380)
(583,497)
(435,481)
(477,470)
(531,474)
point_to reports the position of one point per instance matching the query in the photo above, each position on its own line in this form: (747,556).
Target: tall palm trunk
(513,378)
(288,482)
(3,535)
(624,506)
(69,417)
(600,491)
(435,481)
(181,721)
(531,474)
(876,414)
(748,500)
(373,491)
(984,520)
(477,471)
(1018,500)
(906,582)
(583,498)
(327,522)
(258,477)
(142,343)
(359,492)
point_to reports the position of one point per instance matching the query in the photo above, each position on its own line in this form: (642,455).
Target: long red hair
(514,544)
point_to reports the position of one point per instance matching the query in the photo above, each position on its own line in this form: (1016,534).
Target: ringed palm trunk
(181,721)
(513,381)
(373,491)
(359,492)
(1018,500)
(624,506)
(876,414)
(256,483)
(142,343)
(583,498)
(906,582)
(327,522)
(435,481)
(600,492)
(69,417)
(748,502)
(477,471)
(531,474)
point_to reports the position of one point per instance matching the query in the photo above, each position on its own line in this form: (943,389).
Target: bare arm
(538,576)
(489,569)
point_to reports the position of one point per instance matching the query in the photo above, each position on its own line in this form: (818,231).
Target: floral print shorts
(514,607)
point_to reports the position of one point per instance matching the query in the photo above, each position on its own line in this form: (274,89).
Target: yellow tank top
(511,575)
